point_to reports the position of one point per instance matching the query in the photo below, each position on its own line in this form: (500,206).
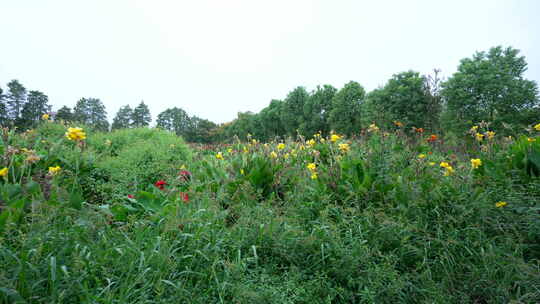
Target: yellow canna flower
(490,134)
(219,155)
(344,147)
(246,150)
(449,171)
(476,162)
(182,167)
(281,146)
(531,139)
(312,166)
(335,138)
(432,164)
(242,171)
(373,128)
(75,134)
(311,142)
(537,127)
(479,136)
(286,155)
(314,175)
(421,156)
(54,170)
(45,116)
(273,154)
(474,128)
(500,204)
(4,172)
(444,165)
(229,150)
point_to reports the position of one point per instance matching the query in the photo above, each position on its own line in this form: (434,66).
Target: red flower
(432,138)
(419,130)
(131,196)
(184,175)
(160,184)
(184,196)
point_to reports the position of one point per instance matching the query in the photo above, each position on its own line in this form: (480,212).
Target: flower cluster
(75,134)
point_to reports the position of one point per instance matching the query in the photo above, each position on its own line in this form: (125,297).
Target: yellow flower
(242,171)
(344,147)
(281,146)
(312,166)
(4,172)
(335,138)
(302,147)
(500,204)
(254,141)
(421,156)
(432,164)
(444,165)
(273,154)
(373,128)
(476,162)
(537,127)
(323,140)
(246,150)
(398,124)
(219,155)
(490,134)
(311,142)
(479,136)
(75,134)
(54,170)
(45,116)
(449,171)
(229,150)
(531,139)
(314,175)
(474,128)
(286,155)
(182,167)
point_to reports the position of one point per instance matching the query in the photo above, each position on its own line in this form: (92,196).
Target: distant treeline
(487,87)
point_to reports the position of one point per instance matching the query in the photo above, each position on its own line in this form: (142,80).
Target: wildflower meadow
(391,214)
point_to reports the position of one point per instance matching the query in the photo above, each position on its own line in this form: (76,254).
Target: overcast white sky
(215,58)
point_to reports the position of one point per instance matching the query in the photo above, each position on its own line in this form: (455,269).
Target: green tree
(490,87)
(406,98)
(200,130)
(141,116)
(91,111)
(123,117)
(64,113)
(36,105)
(270,120)
(345,116)
(317,111)
(292,114)
(16,99)
(175,120)
(4,118)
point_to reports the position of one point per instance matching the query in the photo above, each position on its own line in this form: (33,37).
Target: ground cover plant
(392,214)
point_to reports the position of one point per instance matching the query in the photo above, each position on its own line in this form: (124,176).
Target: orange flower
(432,138)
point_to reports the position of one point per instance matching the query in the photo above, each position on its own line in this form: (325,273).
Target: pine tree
(4,119)
(32,111)
(16,99)
(122,119)
(91,111)
(64,113)
(141,116)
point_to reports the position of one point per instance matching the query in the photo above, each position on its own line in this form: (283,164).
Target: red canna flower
(184,196)
(131,196)
(419,130)
(432,138)
(184,175)
(160,184)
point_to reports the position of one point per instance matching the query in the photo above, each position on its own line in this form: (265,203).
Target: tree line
(489,86)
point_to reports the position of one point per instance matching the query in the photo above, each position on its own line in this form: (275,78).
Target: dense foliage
(388,217)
